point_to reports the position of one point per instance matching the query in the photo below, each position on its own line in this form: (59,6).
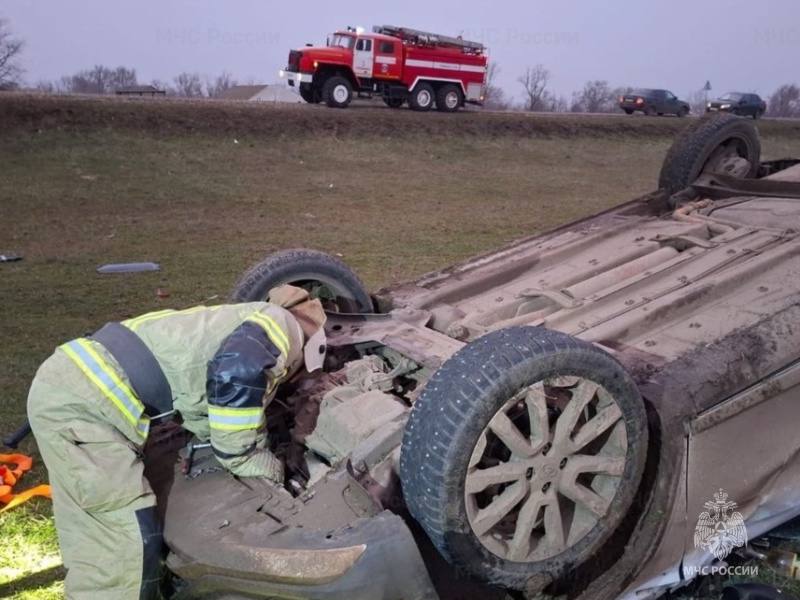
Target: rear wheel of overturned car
(421,97)
(523,455)
(324,276)
(448,98)
(337,92)
(717,143)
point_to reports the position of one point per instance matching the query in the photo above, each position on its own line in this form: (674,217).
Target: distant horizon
(678,46)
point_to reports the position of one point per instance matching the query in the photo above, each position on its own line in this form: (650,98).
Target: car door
(671,103)
(363,58)
(387,59)
(660,101)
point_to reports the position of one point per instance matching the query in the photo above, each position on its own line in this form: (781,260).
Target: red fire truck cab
(396,63)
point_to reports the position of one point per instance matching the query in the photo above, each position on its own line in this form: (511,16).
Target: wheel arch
(328,70)
(437,82)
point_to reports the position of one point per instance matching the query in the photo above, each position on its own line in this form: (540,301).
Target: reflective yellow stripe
(135,322)
(234,419)
(275,333)
(227,410)
(101,375)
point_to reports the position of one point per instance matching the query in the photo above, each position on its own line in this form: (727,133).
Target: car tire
(323,275)
(628,111)
(682,112)
(422,97)
(689,155)
(337,92)
(448,98)
(451,422)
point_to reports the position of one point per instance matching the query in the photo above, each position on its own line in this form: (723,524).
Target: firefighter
(92,402)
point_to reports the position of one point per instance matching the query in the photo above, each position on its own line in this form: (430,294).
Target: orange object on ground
(10,476)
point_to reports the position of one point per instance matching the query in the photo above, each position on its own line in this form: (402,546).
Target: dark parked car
(744,105)
(653,102)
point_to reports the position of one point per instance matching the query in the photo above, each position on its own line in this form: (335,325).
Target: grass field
(78,192)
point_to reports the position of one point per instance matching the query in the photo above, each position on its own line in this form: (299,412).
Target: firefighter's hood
(311,317)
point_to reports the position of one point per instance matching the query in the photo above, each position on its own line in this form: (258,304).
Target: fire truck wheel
(448,98)
(393,102)
(421,97)
(337,92)
(310,93)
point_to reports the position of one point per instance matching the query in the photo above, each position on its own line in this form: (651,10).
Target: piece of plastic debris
(129,267)
(10,257)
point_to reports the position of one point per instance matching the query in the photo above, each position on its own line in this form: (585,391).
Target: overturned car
(552,418)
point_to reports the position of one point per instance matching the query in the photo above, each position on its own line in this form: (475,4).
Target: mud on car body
(549,417)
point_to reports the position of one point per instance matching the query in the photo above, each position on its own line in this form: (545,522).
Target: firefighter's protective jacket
(222,363)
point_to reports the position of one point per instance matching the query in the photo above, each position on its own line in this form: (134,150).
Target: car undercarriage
(548,418)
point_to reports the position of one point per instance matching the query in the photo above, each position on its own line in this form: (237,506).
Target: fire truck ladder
(426,38)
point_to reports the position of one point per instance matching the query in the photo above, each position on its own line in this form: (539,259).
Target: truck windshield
(342,41)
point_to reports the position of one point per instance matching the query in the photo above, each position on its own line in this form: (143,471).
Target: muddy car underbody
(700,304)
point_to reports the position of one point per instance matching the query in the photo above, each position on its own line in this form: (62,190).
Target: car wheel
(421,97)
(448,98)
(720,143)
(337,92)
(324,276)
(523,454)
(628,111)
(682,112)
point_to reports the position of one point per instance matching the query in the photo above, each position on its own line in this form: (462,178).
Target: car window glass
(360,45)
(368,45)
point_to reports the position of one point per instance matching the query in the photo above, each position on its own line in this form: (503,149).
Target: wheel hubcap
(340,93)
(423,98)
(545,469)
(451,100)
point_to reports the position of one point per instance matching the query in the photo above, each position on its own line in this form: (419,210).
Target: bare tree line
(597,96)
(104,80)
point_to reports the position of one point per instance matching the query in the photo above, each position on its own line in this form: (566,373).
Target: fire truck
(398,64)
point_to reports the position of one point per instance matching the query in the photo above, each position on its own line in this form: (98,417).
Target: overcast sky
(747,45)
